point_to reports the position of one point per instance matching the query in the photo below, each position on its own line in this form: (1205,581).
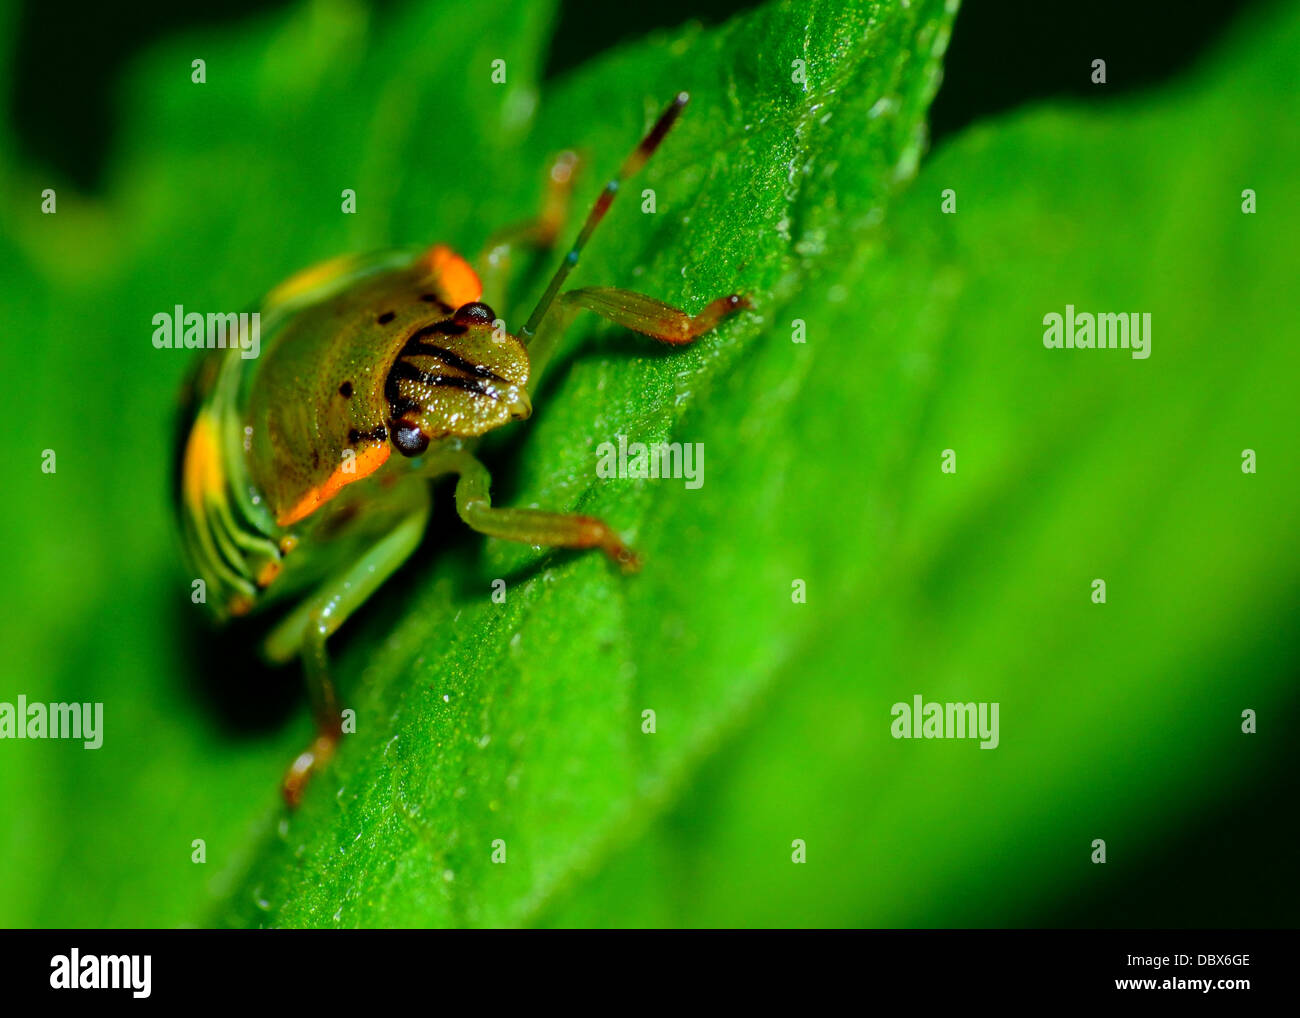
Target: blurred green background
(522,722)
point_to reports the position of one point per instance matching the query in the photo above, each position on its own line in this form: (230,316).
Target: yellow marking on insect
(203,476)
(455,277)
(366,463)
(309,279)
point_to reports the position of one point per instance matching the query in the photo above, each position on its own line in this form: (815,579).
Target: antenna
(635,160)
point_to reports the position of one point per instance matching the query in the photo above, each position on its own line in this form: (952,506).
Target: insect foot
(316,756)
(596,533)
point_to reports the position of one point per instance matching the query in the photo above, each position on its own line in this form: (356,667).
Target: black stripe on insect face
(450,370)
(415,346)
(409,372)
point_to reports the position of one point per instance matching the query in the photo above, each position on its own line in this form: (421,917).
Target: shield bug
(289,491)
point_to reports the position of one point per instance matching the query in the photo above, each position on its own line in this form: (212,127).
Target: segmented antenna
(635,160)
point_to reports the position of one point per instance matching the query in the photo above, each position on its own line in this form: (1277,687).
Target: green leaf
(476,721)
(522,722)
(1117,721)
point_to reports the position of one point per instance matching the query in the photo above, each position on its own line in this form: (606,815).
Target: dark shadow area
(1009,53)
(1231,867)
(68,58)
(1004,53)
(586,27)
(223,671)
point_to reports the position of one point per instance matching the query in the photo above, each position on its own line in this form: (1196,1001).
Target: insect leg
(636,311)
(307,628)
(541,233)
(529,526)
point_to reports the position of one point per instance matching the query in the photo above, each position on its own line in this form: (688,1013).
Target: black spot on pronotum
(345,390)
(386,317)
(409,439)
(433,298)
(475,312)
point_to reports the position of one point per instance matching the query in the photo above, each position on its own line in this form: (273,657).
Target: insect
(288,489)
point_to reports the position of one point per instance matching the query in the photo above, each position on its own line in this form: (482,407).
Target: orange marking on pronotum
(455,277)
(367,462)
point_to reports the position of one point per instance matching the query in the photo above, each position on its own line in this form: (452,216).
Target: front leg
(636,311)
(529,526)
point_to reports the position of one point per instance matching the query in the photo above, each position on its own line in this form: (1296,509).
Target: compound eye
(409,440)
(475,313)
